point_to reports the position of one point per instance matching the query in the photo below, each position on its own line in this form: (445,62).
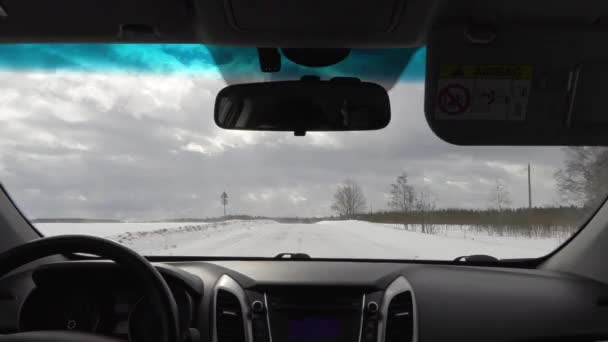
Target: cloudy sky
(127,132)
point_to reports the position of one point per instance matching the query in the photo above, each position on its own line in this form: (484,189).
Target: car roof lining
(213,21)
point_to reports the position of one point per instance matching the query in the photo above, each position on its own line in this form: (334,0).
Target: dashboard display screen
(315,329)
(315,314)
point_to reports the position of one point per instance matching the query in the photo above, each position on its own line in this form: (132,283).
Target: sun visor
(518,86)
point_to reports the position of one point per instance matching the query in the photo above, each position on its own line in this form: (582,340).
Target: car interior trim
(267,318)
(362,314)
(399,285)
(228,284)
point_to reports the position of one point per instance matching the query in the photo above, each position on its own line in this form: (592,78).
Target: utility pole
(224,199)
(529,189)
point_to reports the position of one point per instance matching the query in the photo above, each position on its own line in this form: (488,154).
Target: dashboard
(100,298)
(311,301)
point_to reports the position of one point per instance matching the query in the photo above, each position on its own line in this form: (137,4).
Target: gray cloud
(145,147)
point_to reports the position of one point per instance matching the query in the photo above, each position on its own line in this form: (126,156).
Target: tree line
(349,199)
(582,184)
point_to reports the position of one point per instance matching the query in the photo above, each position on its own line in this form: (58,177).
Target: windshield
(119,141)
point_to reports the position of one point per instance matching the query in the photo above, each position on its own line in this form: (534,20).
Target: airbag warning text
(483,92)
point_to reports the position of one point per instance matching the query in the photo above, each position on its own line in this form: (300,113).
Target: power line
(224,199)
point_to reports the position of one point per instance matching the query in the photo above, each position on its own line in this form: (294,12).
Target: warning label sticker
(483,92)
(454,98)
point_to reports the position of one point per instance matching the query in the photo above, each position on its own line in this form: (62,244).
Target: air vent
(229,318)
(400,318)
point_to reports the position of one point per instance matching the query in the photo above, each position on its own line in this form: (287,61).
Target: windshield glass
(119,141)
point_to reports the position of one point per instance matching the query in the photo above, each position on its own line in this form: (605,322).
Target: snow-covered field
(327,239)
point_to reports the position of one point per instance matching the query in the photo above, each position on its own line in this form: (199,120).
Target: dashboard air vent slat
(400,320)
(229,317)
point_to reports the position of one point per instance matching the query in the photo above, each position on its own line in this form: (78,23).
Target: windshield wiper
(476,258)
(292,256)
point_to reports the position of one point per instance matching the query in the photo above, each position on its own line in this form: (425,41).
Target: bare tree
(401,195)
(425,204)
(583,179)
(500,197)
(349,199)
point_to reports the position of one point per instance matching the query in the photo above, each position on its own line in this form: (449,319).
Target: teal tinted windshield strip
(369,64)
(149,58)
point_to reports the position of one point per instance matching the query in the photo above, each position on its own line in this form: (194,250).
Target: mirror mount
(270,60)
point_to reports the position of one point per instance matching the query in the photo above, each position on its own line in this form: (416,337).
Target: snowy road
(329,239)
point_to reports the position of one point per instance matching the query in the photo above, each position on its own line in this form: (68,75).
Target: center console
(321,314)
(316,314)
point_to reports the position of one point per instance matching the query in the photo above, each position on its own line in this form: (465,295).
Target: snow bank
(415,245)
(156,238)
(105,229)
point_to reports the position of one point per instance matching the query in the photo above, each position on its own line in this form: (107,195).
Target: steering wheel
(153,284)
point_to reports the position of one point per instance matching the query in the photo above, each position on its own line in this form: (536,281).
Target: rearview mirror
(341,104)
